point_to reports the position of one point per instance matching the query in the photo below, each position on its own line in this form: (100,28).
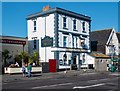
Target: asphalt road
(104,82)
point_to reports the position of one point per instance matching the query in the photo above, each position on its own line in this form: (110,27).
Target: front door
(52,65)
(74,60)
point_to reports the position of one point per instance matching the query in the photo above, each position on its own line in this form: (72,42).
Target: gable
(101,36)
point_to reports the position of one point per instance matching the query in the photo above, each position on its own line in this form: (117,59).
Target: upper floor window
(74,24)
(83,26)
(73,41)
(35,44)
(64,22)
(34,25)
(76,42)
(64,41)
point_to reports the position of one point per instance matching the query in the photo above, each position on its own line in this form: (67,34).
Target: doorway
(74,59)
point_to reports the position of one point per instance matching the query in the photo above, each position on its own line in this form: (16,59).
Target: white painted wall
(114,41)
(70,30)
(40,33)
(88,60)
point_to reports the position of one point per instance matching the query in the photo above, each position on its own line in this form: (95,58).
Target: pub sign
(47,41)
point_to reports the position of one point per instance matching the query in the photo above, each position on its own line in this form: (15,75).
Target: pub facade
(59,34)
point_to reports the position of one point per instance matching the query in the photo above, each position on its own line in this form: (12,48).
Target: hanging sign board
(46,41)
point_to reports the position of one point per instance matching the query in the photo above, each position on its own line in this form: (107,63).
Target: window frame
(75,25)
(34,25)
(83,27)
(35,44)
(64,41)
(64,23)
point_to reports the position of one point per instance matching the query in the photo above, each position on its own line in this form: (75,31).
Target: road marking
(92,80)
(97,80)
(65,84)
(89,86)
(52,85)
(88,74)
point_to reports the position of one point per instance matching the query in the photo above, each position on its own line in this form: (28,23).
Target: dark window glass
(73,41)
(34,25)
(83,25)
(34,28)
(64,22)
(35,44)
(74,24)
(64,41)
(76,42)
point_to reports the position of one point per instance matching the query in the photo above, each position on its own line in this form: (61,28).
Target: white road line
(65,84)
(98,80)
(88,73)
(92,80)
(89,86)
(52,85)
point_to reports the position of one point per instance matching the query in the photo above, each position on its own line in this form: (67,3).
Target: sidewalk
(36,76)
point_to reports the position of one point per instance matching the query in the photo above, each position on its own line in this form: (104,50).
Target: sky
(103,14)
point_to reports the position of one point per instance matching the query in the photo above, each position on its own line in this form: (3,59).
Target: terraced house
(59,34)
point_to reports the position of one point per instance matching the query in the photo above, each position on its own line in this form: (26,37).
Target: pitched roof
(118,35)
(101,36)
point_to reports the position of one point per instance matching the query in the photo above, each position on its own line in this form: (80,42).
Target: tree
(36,57)
(5,55)
(18,60)
(23,56)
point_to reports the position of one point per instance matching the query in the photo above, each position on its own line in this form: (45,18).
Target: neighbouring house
(98,61)
(118,36)
(105,41)
(15,45)
(59,34)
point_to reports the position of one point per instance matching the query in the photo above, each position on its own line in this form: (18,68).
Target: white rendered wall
(70,30)
(40,33)
(114,42)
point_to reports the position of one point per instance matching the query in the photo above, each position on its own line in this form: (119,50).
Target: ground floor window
(69,62)
(90,66)
(61,62)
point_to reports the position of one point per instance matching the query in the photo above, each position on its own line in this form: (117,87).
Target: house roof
(101,36)
(99,55)
(118,35)
(60,11)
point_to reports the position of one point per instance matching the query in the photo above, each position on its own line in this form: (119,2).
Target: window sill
(34,31)
(65,28)
(84,31)
(75,30)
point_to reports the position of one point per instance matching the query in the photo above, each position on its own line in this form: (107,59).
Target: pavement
(62,74)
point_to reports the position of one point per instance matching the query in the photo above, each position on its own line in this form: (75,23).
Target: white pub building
(59,34)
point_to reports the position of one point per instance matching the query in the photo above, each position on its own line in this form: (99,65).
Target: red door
(52,65)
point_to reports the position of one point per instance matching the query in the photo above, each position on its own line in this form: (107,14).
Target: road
(105,82)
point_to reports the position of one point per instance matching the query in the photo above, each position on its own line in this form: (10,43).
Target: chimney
(46,8)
